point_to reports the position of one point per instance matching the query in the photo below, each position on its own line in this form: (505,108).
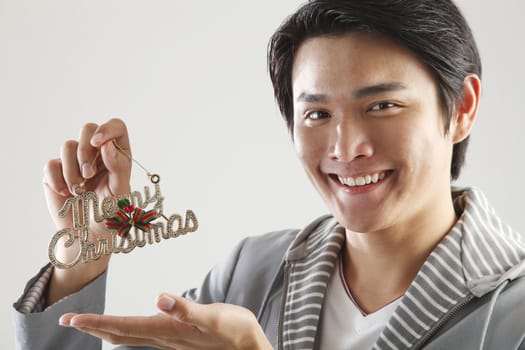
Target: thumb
(179,308)
(118,164)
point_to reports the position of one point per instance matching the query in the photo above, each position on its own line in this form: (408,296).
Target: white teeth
(362,180)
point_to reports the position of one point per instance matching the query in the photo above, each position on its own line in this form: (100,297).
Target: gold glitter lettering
(84,208)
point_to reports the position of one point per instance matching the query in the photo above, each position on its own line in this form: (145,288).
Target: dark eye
(382,105)
(317,115)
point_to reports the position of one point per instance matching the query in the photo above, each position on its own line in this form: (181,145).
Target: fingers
(166,302)
(65,319)
(115,338)
(124,326)
(117,161)
(186,325)
(136,330)
(182,309)
(121,326)
(70,169)
(53,179)
(86,153)
(94,137)
(79,160)
(221,323)
(199,315)
(190,313)
(114,129)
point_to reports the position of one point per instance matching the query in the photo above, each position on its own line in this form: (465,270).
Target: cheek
(309,146)
(425,149)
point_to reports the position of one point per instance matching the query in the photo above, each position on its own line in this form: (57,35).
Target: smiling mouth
(362,180)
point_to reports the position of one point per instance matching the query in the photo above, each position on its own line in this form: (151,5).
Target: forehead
(356,58)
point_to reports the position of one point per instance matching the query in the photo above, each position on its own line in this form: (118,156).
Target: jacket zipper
(442,322)
(283,303)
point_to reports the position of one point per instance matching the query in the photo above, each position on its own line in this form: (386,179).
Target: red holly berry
(129,208)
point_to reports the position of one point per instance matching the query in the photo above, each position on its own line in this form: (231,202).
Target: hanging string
(154,178)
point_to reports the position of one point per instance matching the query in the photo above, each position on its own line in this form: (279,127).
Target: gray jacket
(469,294)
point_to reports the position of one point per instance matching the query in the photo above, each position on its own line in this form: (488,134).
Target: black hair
(434,30)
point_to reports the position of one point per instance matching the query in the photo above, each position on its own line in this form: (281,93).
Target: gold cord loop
(154,178)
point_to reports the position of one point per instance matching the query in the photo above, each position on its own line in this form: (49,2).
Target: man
(380,98)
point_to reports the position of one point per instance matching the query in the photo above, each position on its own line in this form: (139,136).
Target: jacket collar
(310,262)
(477,255)
(493,251)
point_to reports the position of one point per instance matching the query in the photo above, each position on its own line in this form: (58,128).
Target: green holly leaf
(124,202)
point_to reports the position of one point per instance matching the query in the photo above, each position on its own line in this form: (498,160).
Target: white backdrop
(190,79)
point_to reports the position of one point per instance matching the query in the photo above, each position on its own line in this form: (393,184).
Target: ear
(463,119)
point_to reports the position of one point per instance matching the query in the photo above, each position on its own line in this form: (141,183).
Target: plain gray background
(190,79)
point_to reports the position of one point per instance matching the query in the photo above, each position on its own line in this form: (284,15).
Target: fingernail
(96,139)
(87,171)
(63,322)
(76,322)
(166,303)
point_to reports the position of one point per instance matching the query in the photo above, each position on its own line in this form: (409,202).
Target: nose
(350,141)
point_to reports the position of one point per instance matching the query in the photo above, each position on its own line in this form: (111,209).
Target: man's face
(368,129)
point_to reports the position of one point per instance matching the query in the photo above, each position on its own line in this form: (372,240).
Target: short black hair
(434,30)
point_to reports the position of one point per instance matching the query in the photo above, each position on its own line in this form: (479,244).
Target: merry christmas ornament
(130,221)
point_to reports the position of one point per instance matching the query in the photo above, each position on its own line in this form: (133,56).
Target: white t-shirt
(344,326)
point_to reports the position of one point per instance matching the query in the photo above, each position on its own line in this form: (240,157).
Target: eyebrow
(312,98)
(379,88)
(359,93)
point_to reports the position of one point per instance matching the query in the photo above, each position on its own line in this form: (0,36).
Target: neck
(380,266)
